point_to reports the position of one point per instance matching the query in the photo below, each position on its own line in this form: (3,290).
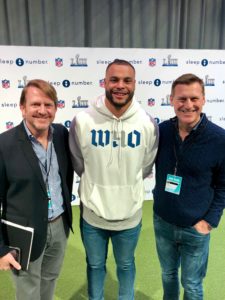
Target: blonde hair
(42,85)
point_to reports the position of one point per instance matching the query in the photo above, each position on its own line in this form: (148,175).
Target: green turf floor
(72,282)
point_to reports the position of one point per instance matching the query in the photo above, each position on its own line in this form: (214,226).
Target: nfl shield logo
(152,62)
(101,83)
(5,84)
(61,104)
(59,62)
(151,102)
(9,125)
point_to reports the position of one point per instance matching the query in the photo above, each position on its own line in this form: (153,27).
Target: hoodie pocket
(115,202)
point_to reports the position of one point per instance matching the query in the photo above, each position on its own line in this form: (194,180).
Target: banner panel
(78,73)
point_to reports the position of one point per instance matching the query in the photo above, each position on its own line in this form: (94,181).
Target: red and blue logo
(102,83)
(152,62)
(59,62)
(9,125)
(60,103)
(5,84)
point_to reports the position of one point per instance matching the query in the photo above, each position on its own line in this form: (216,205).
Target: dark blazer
(23,195)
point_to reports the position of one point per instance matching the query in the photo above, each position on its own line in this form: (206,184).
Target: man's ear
(22,108)
(171,100)
(204,100)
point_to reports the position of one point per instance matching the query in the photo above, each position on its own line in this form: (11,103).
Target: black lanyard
(46,168)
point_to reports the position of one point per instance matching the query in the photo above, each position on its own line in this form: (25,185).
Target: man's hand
(7,262)
(203,227)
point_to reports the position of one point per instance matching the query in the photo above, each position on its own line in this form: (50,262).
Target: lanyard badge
(173,184)
(49,196)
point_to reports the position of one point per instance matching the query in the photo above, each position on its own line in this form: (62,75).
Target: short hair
(188,79)
(42,85)
(122,62)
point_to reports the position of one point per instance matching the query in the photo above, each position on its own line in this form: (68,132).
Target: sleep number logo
(19,62)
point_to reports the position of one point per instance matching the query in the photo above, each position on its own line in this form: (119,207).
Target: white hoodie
(112,156)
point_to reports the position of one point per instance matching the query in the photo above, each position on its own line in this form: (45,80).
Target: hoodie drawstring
(117,126)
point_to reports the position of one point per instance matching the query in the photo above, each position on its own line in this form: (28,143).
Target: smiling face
(38,111)
(119,87)
(188,101)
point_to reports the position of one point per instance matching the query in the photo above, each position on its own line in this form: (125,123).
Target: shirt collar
(32,137)
(175,121)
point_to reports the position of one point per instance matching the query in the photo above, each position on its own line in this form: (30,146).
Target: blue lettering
(131,143)
(102,140)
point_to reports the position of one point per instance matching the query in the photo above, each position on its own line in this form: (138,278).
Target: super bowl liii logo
(22,82)
(166,101)
(209,81)
(78,61)
(170,62)
(79,103)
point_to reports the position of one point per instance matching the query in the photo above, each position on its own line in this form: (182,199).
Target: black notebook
(19,237)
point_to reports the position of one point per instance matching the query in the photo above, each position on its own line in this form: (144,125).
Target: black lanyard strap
(45,166)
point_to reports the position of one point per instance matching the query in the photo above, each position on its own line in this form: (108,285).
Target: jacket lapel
(30,155)
(58,149)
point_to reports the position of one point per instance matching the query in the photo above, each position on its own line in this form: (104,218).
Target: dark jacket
(201,164)
(23,195)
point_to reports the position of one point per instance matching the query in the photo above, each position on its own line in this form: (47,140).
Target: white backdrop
(78,73)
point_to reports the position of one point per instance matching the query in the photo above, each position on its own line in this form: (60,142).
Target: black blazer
(23,195)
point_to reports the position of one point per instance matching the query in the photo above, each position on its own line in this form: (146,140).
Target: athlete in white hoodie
(113,145)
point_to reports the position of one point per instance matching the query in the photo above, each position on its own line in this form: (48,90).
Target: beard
(116,104)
